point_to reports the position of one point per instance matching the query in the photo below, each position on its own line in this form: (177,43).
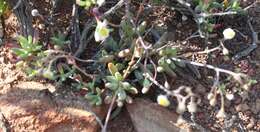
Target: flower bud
(145,90)
(123,53)
(108,99)
(230,96)
(129,100)
(35,13)
(229,33)
(160,69)
(163,100)
(120,103)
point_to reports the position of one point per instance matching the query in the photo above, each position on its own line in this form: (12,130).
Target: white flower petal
(100,2)
(101,32)
(229,33)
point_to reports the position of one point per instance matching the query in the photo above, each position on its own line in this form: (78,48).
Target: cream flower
(163,100)
(230,96)
(100,2)
(101,32)
(229,33)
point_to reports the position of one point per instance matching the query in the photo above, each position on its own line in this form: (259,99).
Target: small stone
(41,26)
(146,115)
(238,100)
(184,18)
(201,89)
(1,74)
(251,123)
(35,12)
(257,104)
(242,107)
(244,95)
(227,103)
(179,25)
(2,60)
(232,110)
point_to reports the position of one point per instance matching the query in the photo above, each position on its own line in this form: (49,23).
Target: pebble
(257,105)
(227,103)
(2,60)
(244,95)
(251,123)
(242,107)
(238,100)
(179,25)
(1,74)
(200,89)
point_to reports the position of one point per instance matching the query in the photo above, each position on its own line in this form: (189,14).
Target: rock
(242,107)
(201,89)
(256,107)
(150,117)
(28,108)
(251,123)
(238,100)
(227,103)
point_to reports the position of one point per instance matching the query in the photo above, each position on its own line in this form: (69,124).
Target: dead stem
(109,113)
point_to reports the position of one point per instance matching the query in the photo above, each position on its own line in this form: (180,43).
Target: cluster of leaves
(117,59)
(94,95)
(118,86)
(165,63)
(29,54)
(213,6)
(3,6)
(88,3)
(38,62)
(59,41)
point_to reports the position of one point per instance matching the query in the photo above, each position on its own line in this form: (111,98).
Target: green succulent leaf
(126,85)
(21,53)
(111,79)
(112,68)
(138,75)
(132,90)
(118,76)
(127,28)
(98,101)
(24,42)
(112,86)
(121,94)
(215,5)
(146,83)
